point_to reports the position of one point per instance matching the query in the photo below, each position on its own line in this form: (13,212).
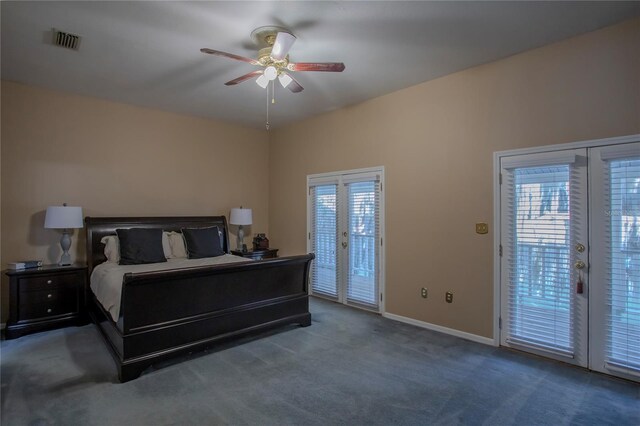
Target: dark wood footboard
(184,311)
(165,314)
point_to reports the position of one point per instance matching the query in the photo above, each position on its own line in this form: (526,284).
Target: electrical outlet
(423,293)
(449,297)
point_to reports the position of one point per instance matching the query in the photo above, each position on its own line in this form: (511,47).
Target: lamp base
(65,243)
(65,260)
(240,238)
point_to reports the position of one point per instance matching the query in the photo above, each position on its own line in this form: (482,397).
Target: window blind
(622,194)
(363,198)
(324,230)
(540,306)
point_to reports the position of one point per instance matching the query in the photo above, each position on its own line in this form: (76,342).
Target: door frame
(381,267)
(497,207)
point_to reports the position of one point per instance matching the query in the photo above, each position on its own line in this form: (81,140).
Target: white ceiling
(148,53)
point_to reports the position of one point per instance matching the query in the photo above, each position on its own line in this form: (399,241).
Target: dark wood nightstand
(257,254)
(45,298)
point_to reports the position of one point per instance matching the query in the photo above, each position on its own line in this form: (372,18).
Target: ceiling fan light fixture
(270,73)
(284,79)
(262,81)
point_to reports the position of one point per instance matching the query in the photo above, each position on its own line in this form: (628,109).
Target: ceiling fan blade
(317,66)
(294,86)
(243,78)
(229,55)
(281,46)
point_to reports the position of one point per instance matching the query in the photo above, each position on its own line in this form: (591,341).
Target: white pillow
(111,248)
(178,248)
(166,247)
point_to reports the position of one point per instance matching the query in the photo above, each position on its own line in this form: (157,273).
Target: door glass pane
(363,206)
(324,268)
(540,308)
(624,265)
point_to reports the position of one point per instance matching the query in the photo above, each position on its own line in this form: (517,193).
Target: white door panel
(543,199)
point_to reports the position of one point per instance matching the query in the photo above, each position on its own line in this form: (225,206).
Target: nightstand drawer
(49,282)
(40,304)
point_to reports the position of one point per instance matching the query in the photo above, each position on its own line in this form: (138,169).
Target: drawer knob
(49,296)
(49,281)
(49,310)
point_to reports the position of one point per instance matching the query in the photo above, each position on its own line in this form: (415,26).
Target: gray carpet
(349,368)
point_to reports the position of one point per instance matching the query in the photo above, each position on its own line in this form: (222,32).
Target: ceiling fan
(274,44)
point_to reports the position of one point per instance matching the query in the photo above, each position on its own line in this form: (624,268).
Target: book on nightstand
(25,264)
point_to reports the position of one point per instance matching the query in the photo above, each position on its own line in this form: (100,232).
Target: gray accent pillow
(202,242)
(140,245)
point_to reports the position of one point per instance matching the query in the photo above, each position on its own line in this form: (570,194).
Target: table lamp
(64,217)
(240,217)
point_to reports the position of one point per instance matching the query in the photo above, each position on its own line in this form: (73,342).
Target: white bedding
(106,278)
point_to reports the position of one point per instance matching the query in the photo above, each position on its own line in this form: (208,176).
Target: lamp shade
(240,216)
(63,217)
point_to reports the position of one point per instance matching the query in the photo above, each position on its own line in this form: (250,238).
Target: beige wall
(436,142)
(115,159)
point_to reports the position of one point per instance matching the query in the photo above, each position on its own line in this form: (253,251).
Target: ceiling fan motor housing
(265,59)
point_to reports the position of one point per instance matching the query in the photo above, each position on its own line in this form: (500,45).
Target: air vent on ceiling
(66,40)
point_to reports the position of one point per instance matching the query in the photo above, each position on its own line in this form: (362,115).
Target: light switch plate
(482,228)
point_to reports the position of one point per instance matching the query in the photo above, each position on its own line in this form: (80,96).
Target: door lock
(344,245)
(580,248)
(580,264)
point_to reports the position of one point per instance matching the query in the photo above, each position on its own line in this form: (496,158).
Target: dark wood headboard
(98,227)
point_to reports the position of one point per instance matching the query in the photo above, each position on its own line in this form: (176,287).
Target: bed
(168,313)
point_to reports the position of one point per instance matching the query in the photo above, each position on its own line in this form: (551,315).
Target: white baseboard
(441,329)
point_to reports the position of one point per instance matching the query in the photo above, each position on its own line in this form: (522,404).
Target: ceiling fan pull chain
(267,125)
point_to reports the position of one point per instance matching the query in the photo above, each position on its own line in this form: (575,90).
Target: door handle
(580,264)
(344,245)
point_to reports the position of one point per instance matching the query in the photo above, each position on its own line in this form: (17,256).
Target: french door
(344,222)
(544,229)
(570,264)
